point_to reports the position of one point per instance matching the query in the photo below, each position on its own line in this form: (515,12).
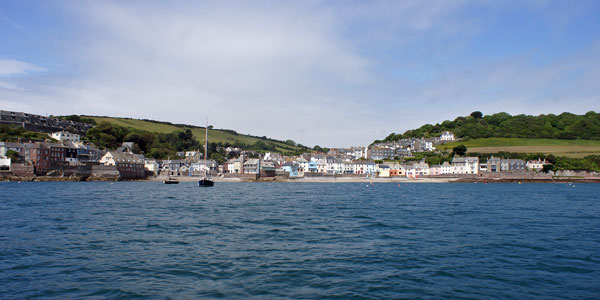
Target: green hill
(214,135)
(163,139)
(219,136)
(568,148)
(566,126)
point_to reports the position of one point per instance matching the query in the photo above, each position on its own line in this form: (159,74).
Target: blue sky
(332,73)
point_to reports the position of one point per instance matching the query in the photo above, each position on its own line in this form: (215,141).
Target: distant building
(65,136)
(536,165)
(495,164)
(447,136)
(41,123)
(379,153)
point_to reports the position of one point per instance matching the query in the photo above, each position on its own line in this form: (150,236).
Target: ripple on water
(298,241)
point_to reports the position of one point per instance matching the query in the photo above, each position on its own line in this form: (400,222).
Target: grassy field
(569,148)
(214,135)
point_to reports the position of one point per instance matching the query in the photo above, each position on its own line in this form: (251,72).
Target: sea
(148,240)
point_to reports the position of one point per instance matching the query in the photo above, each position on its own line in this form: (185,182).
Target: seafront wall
(243,177)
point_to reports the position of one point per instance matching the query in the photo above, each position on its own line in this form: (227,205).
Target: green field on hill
(214,135)
(569,148)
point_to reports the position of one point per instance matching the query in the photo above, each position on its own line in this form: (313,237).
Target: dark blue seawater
(299,241)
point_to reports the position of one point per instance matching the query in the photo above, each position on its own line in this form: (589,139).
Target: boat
(206,180)
(170,181)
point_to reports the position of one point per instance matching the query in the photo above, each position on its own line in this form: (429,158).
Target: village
(65,156)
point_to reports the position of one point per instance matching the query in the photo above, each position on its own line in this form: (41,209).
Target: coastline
(321,179)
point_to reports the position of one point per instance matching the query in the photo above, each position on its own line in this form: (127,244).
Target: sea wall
(22,170)
(241,176)
(101,172)
(574,173)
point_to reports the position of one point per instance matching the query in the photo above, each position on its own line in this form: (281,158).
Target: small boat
(170,181)
(206,181)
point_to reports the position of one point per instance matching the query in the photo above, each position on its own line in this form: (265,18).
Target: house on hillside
(62,136)
(447,136)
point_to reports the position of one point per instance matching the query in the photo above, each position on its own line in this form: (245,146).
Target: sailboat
(206,181)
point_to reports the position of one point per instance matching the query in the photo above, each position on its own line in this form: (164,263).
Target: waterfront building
(233,166)
(495,164)
(39,155)
(291,168)
(536,165)
(70,153)
(465,165)
(130,166)
(312,167)
(302,165)
(152,165)
(383,170)
(252,166)
(435,170)
(446,168)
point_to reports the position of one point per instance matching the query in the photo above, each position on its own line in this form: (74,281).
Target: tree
(12,154)
(547,168)
(477,115)
(459,150)
(290,142)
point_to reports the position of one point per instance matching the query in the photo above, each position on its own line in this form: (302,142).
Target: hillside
(568,148)
(219,136)
(566,126)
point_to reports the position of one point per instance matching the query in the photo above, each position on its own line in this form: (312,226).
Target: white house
(536,165)
(152,165)
(302,165)
(65,136)
(447,136)
(465,165)
(4,163)
(446,168)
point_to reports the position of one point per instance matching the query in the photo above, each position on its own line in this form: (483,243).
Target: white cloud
(315,72)
(11,67)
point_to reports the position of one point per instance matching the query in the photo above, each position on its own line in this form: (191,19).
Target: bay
(147,240)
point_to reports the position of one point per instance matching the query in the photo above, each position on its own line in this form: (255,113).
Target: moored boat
(206,181)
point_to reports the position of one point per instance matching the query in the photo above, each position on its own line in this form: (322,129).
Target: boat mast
(205,147)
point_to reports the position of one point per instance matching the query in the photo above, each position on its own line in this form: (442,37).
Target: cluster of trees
(157,145)
(476,125)
(13,133)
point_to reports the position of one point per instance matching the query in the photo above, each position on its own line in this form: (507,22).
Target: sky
(328,73)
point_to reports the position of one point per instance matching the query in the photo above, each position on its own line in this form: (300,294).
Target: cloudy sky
(332,73)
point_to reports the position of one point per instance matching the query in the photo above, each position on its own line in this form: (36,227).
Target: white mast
(205,147)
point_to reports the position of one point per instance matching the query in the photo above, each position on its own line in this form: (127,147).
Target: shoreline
(324,179)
